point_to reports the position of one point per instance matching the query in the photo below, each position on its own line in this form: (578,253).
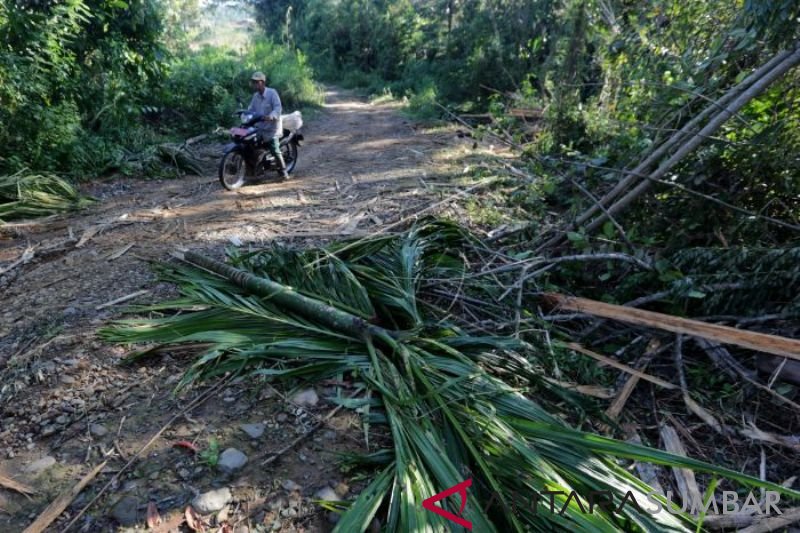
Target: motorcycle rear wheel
(289,151)
(232,171)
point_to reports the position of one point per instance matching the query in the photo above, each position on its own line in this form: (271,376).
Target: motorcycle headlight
(246,117)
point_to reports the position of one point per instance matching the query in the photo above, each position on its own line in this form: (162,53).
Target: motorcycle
(247,154)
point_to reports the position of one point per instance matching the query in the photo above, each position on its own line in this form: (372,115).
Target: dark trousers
(274,147)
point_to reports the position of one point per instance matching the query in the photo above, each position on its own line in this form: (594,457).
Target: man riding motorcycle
(266,102)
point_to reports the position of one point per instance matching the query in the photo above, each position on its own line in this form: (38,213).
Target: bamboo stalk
(717,106)
(332,317)
(687,131)
(747,339)
(697,138)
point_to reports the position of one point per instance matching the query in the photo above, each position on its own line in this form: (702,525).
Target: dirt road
(66,403)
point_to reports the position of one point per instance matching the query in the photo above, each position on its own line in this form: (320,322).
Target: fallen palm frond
(162,160)
(456,406)
(180,158)
(26,194)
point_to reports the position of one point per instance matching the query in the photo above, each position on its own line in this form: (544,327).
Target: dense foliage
(84,84)
(204,87)
(70,74)
(608,78)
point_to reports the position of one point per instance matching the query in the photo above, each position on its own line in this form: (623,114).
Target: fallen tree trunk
(285,296)
(760,342)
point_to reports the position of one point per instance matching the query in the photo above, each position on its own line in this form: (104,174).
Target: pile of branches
(27,194)
(406,317)
(163,160)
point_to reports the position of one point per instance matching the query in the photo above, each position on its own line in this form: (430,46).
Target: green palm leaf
(455,405)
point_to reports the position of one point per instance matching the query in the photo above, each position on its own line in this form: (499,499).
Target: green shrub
(203,88)
(422,104)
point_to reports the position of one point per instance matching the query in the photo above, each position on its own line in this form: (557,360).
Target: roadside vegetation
(622,290)
(94,87)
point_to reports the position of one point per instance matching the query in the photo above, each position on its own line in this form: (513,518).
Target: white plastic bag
(293,121)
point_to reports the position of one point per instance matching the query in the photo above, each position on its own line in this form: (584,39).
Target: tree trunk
(286,297)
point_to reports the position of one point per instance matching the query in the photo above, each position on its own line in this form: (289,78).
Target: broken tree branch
(58,505)
(720,355)
(774,523)
(615,409)
(12,484)
(760,342)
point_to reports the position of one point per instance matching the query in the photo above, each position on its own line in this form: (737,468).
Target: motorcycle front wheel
(232,170)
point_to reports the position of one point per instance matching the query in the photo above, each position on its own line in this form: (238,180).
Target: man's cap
(258,76)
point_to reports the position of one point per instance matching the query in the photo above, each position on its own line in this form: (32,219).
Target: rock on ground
(326,493)
(98,430)
(306,398)
(290,485)
(212,501)
(254,431)
(40,465)
(126,511)
(231,460)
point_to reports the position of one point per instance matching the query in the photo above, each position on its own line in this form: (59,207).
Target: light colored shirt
(269,105)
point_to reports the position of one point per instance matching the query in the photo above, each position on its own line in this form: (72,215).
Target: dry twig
(62,502)
(195,403)
(616,364)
